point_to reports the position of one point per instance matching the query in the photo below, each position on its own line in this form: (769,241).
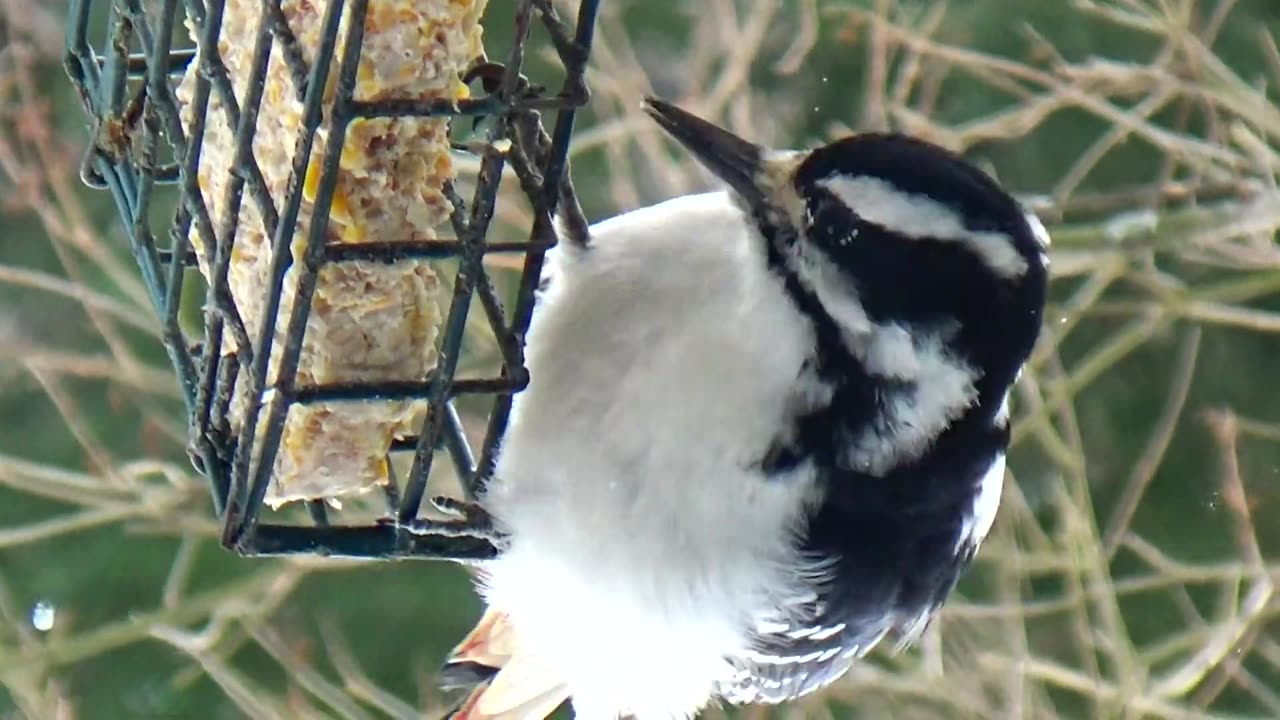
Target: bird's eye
(831,223)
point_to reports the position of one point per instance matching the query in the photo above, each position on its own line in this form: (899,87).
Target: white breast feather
(644,545)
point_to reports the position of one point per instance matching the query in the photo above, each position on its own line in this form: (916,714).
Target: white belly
(642,535)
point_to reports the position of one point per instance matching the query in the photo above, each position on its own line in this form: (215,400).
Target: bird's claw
(459,508)
(491,75)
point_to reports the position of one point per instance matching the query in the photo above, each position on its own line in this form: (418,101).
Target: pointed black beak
(732,159)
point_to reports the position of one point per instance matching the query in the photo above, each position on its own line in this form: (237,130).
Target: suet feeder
(277,138)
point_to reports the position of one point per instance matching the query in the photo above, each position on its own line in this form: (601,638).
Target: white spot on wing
(763,659)
(816,632)
(918,216)
(825,633)
(802,633)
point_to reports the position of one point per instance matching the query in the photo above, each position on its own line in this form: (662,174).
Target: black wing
(896,545)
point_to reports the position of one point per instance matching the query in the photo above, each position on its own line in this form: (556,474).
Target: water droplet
(43,615)
(1062,320)
(824,79)
(1213,501)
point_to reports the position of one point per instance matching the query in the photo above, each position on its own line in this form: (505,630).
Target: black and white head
(891,232)
(924,283)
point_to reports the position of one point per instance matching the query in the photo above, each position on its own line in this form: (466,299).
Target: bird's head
(889,231)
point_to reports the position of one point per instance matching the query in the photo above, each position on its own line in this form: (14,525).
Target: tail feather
(510,685)
(536,708)
(523,686)
(489,643)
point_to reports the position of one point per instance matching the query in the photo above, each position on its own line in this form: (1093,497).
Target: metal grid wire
(127,88)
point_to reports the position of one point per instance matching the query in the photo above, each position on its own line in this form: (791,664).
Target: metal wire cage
(128,89)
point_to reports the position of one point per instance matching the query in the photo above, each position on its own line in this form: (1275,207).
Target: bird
(765,427)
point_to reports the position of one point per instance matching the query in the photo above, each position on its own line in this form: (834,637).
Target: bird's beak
(732,159)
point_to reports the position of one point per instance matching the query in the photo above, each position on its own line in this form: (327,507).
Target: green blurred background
(69,404)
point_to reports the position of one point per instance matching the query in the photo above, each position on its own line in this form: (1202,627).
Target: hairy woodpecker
(764,428)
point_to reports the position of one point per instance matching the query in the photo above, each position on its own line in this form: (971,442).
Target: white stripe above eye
(919,216)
